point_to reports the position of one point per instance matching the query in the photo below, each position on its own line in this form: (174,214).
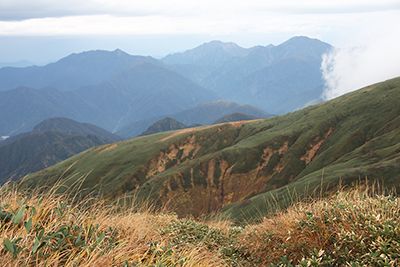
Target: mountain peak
(211,53)
(120,53)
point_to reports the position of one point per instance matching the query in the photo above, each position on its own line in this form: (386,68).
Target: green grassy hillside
(238,167)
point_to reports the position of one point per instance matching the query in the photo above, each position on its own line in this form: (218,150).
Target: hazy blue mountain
(19,64)
(299,101)
(144,90)
(198,63)
(204,114)
(120,89)
(301,48)
(22,108)
(269,87)
(139,91)
(263,76)
(207,54)
(71,72)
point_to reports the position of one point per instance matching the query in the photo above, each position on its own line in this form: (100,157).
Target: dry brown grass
(127,235)
(357,227)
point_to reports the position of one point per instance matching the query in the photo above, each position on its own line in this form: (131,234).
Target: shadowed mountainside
(40,150)
(50,142)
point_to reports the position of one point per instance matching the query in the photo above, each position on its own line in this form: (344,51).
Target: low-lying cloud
(373,57)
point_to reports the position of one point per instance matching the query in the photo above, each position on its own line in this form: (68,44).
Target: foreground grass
(356,228)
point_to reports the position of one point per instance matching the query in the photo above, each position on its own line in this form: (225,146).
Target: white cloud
(248,23)
(373,56)
(212,22)
(28,9)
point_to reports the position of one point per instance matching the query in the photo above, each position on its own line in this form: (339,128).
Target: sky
(43,31)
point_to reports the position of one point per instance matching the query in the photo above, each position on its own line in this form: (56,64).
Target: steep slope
(71,72)
(137,92)
(40,150)
(238,166)
(204,114)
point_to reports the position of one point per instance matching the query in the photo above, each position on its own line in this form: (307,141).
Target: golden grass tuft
(355,228)
(89,233)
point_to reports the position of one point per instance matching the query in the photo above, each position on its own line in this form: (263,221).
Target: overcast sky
(47,30)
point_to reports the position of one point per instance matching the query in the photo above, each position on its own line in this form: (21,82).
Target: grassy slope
(240,166)
(346,229)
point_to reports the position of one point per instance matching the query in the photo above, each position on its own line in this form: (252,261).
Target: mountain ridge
(234,168)
(71,72)
(125,97)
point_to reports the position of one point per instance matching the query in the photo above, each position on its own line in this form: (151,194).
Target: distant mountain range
(71,72)
(262,76)
(18,64)
(50,142)
(207,54)
(120,92)
(137,92)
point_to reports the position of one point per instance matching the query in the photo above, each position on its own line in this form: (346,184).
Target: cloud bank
(28,9)
(372,57)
